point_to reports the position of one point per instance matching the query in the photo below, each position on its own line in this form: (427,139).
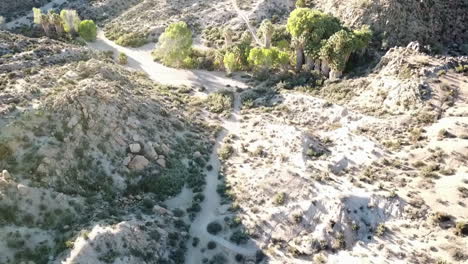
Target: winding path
(247,22)
(141,59)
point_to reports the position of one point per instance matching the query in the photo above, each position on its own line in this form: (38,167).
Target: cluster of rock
(140,157)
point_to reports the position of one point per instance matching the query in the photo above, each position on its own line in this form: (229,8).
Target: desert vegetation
(67,21)
(241,131)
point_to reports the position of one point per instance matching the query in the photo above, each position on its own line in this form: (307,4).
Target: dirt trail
(247,22)
(141,59)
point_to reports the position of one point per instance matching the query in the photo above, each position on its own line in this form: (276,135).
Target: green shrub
(226,151)
(280,198)
(461,229)
(87,30)
(211,245)
(220,101)
(133,39)
(214,228)
(231,62)
(239,237)
(122,59)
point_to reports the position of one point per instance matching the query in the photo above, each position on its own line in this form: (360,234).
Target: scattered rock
(135,148)
(138,163)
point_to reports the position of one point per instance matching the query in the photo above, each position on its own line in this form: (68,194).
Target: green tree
(174,44)
(231,62)
(87,30)
(267,29)
(263,59)
(310,29)
(339,47)
(71,21)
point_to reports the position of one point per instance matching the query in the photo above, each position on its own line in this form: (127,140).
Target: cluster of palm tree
(67,21)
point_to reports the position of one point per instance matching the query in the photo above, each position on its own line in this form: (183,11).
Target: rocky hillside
(398,23)
(87,148)
(331,183)
(9,8)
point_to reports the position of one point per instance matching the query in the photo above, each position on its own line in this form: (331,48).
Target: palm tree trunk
(317,65)
(267,41)
(299,58)
(325,68)
(309,63)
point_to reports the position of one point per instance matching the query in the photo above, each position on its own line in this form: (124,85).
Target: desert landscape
(233,131)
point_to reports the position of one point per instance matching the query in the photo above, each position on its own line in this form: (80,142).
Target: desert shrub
(214,228)
(231,63)
(8,214)
(226,151)
(219,102)
(178,212)
(132,39)
(239,237)
(87,30)
(5,151)
(211,245)
(122,59)
(174,45)
(218,259)
(195,241)
(239,258)
(461,229)
(380,230)
(280,198)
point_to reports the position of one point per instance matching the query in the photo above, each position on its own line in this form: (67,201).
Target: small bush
(133,39)
(87,30)
(220,101)
(380,230)
(461,229)
(214,228)
(226,151)
(239,237)
(280,198)
(211,245)
(122,59)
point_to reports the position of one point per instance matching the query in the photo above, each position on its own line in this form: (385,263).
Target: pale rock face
(197,154)
(73,121)
(150,152)
(138,163)
(135,148)
(161,162)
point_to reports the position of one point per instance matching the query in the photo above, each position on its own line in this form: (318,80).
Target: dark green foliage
(239,237)
(132,39)
(211,245)
(8,214)
(214,228)
(87,30)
